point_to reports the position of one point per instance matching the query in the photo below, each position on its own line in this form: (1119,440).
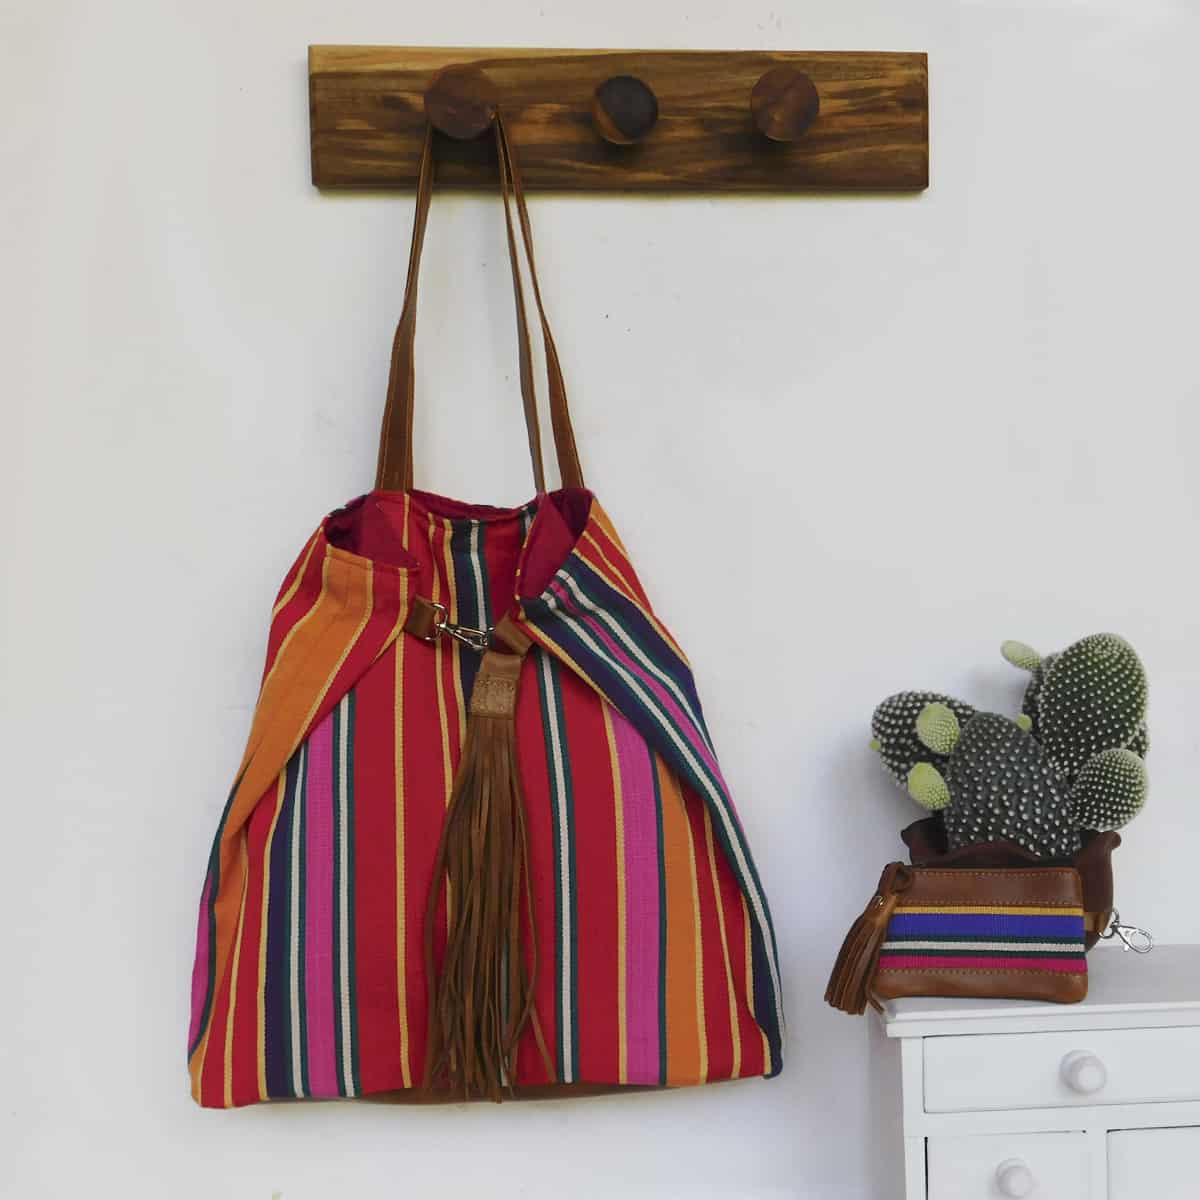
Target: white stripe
(640,655)
(718,803)
(343,791)
(564,851)
(294,932)
(986,947)
(480,595)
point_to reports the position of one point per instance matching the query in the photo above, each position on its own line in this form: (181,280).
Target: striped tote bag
(478,845)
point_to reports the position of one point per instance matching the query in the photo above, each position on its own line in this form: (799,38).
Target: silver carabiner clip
(478,640)
(1132,937)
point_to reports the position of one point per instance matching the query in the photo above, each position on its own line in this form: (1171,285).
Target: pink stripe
(318,911)
(687,726)
(923,962)
(200,967)
(640,811)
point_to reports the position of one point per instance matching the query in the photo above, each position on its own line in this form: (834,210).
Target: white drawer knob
(1014,1178)
(1083,1072)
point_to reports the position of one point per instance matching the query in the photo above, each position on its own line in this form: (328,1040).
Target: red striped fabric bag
(478,844)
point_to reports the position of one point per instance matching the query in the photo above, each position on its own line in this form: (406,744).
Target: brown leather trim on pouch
(857,979)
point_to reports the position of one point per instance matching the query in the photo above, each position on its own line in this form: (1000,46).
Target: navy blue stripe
(467,610)
(613,685)
(213,874)
(632,618)
(277,1042)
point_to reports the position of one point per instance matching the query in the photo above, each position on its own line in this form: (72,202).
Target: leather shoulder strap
(395,467)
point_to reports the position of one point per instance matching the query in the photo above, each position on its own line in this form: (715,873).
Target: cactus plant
(997,784)
(893,727)
(1109,790)
(1089,698)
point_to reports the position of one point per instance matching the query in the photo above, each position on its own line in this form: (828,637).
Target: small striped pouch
(1000,933)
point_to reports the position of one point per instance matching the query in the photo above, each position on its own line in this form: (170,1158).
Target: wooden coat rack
(623,120)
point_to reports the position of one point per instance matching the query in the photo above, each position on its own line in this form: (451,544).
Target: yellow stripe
(401,929)
(734,1028)
(998,909)
(701,1013)
(368,606)
(443,714)
(619,811)
(443,718)
(280,792)
(233,976)
(766,1045)
(294,586)
(612,566)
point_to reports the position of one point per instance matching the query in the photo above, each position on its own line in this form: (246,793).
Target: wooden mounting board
(368,119)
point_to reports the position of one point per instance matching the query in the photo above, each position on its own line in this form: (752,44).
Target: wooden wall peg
(369,105)
(624,109)
(460,102)
(784,103)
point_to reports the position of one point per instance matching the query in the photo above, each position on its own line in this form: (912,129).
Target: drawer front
(1061,1070)
(1021,1164)
(1154,1164)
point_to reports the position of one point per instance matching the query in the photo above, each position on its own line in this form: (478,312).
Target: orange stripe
(622,950)
(735,1033)
(285,666)
(685,998)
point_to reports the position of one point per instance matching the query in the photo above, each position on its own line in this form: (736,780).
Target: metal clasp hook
(477,639)
(1132,937)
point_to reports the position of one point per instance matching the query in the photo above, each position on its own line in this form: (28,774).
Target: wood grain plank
(872,133)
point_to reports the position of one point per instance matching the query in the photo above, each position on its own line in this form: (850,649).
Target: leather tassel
(481,998)
(850,981)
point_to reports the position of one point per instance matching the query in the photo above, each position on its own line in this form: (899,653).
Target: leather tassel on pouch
(849,988)
(481,995)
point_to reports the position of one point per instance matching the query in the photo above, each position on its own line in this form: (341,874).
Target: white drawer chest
(1091,1101)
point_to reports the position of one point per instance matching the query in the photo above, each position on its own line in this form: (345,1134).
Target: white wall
(882,433)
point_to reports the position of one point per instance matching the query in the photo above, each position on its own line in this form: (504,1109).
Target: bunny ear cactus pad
(1002,786)
(1026,658)
(1093,699)
(1109,790)
(894,726)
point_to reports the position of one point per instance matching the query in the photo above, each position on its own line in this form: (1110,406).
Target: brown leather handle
(395,469)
